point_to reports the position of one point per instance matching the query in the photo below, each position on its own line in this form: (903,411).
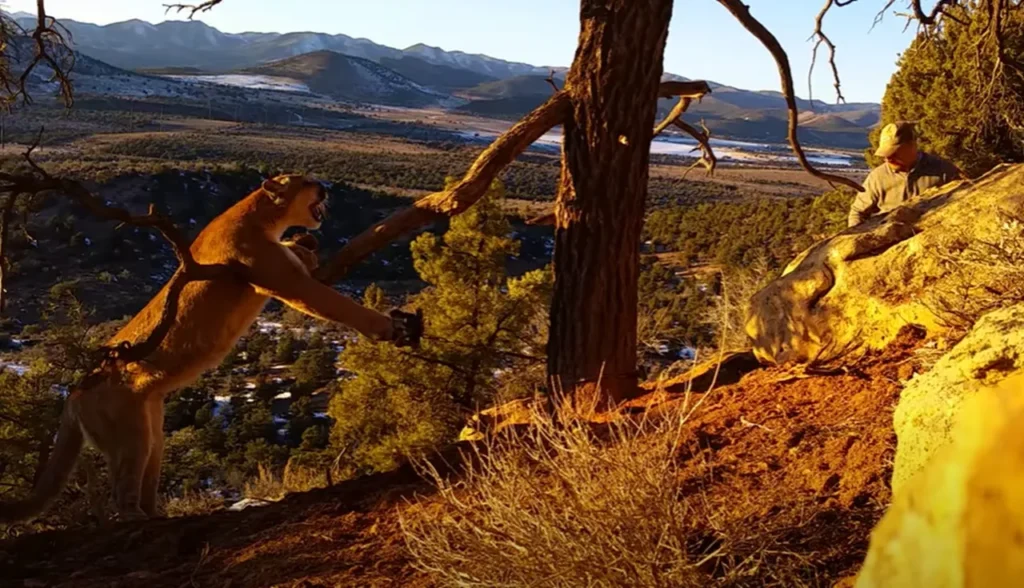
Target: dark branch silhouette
(189,270)
(703,138)
(5,224)
(551,80)
(50,48)
(821,37)
(192,9)
(742,13)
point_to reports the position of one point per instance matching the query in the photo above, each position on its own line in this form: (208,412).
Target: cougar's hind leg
(129,464)
(115,420)
(151,475)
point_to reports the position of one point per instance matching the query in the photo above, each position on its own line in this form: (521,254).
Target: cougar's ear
(275,189)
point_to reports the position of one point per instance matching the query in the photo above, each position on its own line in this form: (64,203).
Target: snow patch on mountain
(255,82)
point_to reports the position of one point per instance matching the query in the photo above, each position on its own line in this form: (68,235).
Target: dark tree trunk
(5,224)
(613,84)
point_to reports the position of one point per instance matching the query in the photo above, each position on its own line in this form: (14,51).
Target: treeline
(532,177)
(736,234)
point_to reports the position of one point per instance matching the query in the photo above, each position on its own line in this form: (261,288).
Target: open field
(407,151)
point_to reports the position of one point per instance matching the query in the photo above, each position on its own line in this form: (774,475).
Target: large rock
(960,521)
(929,404)
(857,289)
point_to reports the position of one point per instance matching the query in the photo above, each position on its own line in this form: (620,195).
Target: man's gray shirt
(885,189)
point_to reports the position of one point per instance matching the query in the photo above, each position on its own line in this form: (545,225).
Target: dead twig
(551,80)
(703,137)
(742,13)
(823,38)
(50,45)
(192,9)
(674,114)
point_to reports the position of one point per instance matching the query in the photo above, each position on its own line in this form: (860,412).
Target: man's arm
(864,204)
(953,173)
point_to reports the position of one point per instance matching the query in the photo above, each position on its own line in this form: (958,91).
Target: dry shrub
(731,309)
(984,275)
(272,486)
(559,505)
(193,504)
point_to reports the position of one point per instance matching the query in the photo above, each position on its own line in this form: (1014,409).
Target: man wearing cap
(906,173)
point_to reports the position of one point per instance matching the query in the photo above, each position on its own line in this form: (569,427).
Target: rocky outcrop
(959,522)
(957,516)
(857,289)
(929,404)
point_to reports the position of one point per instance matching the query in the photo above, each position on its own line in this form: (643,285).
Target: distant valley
(138,59)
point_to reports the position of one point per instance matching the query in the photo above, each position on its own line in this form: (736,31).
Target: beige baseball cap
(894,136)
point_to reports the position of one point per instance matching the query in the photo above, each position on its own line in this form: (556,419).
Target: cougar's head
(303,198)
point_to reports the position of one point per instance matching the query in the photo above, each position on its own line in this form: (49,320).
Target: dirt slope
(789,473)
(347,535)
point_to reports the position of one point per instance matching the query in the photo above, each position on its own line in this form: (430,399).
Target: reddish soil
(792,470)
(787,474)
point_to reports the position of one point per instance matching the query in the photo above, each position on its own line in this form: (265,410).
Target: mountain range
(359,70)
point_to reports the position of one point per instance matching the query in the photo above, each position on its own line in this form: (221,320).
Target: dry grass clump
(273,485)
(559,505)
(984,275)
(193,504)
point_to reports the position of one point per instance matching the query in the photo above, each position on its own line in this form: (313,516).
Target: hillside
(136,44)
(728,112)
(352,79)
(792,482)
(408,77)
(515,87)
(733,473)
(439,77)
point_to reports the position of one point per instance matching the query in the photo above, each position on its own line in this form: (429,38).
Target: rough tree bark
(613,89)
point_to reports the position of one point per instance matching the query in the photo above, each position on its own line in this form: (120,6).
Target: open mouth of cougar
(319,209)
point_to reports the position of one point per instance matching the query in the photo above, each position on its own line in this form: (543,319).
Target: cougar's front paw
(407,328)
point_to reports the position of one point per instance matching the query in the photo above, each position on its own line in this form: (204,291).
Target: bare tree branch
(687,93)
(703,137)
(189,270)
(50,44)
(823,38)
(456,199)
(742,14)
(192,9)
(881,13)
(551,80)
(932,17)
(693,89)
(673,115)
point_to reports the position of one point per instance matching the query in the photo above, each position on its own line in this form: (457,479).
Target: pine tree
(479,324)
(287,348)
(374,298)
(967,110)
(315,366)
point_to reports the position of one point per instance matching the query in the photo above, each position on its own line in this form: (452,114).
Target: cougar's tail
(58,468)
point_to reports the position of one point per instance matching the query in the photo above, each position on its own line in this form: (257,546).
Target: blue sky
(705,42)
